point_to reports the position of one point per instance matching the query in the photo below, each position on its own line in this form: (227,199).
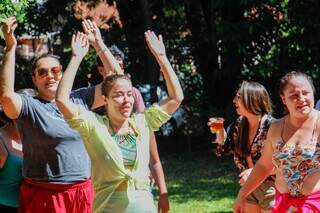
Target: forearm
(107,58)
(158,175)
(7,73)
(258,175)
(173,85)
(67,108)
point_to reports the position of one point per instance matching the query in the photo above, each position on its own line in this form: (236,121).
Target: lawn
(199,182)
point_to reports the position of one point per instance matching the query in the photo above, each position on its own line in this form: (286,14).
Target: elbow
(5,97)
(179,98)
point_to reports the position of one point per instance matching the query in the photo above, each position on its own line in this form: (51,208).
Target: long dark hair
(256,100)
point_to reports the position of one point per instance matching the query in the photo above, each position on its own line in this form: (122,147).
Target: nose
(50,74)
(235,99)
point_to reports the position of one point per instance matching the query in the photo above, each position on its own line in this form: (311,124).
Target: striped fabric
(128,147)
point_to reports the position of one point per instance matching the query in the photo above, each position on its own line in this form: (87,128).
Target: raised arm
(110,64)
(175,93)
(10,101)
(80,46)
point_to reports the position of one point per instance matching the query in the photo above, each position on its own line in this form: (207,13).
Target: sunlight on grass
(200,183)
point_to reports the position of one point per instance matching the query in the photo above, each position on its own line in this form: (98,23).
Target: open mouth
(302,107)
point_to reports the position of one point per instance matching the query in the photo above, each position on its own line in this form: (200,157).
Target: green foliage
(17,8)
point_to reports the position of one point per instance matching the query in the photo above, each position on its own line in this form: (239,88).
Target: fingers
(241,174)
(88,25)
(80,38)
(10,24)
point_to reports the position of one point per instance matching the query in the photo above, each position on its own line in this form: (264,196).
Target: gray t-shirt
(53,152)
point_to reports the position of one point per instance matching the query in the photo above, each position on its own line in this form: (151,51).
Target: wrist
(241,194)
(162,57)
(10,48)
(77,57)
(98,44)
(101,50)
(163,193)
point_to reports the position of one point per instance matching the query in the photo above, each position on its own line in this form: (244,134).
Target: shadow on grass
(200,177)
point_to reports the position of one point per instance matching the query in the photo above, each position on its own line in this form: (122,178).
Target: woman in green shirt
(118,143)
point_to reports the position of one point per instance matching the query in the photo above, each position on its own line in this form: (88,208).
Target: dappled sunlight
(200,181)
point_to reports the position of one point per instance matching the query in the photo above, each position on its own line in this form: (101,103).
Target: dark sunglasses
(44,72)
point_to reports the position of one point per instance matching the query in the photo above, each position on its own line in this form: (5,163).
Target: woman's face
(120,100)
(238,103)
(298,97)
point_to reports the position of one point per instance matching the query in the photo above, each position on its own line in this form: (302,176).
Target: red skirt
(38,197)
(286,203)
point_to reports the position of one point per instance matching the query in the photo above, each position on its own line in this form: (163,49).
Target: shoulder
(276,128)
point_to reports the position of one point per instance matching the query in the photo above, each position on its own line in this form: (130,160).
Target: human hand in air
(155,44)
(79,44)
(8,27)
(244,176)
(163,203)
(92,31)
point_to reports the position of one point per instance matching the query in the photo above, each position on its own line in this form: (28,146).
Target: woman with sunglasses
(118,143)
(56,165)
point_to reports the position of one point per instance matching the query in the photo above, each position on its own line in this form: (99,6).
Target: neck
(254,120)
(298,122)
(119,125)
(50,98)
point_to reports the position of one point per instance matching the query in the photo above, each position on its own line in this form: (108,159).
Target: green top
(128,146)
(108,169)
(10,179)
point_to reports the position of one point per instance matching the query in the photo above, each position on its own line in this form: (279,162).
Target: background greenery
(199,182)
(214,44)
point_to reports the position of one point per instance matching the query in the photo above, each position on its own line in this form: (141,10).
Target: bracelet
(102,50)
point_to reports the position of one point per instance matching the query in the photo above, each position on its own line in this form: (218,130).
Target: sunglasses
(44,72)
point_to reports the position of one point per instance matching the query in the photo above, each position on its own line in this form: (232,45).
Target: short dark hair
(115,51)
(45,55)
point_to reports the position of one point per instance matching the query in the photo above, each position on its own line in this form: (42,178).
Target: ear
(34,80)
(105,99)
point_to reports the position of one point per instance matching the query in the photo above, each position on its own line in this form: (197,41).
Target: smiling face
(120,100)
(298,96)
(46,77)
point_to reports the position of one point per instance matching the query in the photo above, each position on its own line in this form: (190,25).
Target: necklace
(124,138)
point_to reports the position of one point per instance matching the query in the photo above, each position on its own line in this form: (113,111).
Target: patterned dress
(256,146)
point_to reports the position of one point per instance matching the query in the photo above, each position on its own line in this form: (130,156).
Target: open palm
(80,44)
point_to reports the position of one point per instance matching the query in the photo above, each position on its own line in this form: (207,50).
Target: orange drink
(216,125)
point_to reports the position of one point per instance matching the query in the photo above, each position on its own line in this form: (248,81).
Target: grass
(199,182)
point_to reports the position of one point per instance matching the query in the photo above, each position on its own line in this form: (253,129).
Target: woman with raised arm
(118,143)
(114,63)
(246,138)
(293,149)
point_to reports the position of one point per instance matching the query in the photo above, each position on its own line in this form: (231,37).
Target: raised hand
(79,44)
(155,44)
(92,31)
(8,28)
